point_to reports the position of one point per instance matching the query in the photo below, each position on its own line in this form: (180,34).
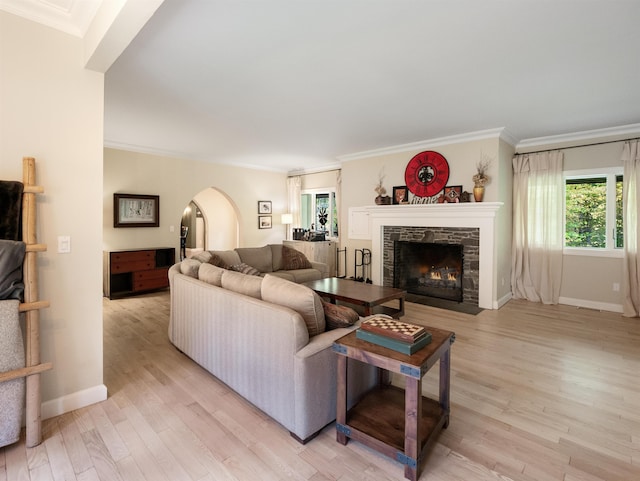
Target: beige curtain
(294,187)
(538,232)
(630,198)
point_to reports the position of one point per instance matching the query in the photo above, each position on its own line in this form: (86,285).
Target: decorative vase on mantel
(480,179)
(383,200)
(478,193)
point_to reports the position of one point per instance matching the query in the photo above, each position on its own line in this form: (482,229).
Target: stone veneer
(468,237)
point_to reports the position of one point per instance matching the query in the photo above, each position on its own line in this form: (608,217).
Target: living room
(53,109)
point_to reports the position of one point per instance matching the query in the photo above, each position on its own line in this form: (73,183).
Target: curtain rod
(311,173)
(578,146)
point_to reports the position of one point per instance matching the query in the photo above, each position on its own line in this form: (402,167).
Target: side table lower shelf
(379,419)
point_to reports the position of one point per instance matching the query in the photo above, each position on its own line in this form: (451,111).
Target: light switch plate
(64,244)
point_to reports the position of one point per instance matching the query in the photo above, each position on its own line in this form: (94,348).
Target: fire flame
(437,276)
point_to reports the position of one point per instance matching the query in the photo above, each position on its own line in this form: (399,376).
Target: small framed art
(264,207)
(264,222)
(400,194)
(452,193)
(135,210)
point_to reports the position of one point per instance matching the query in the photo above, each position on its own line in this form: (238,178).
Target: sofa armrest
(322,267)
(322,341)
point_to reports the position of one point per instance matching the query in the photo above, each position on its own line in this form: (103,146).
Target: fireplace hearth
(429,269)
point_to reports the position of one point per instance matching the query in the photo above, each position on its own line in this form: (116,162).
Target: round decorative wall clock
(426,174)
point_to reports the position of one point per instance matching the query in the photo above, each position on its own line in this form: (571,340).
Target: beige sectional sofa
(275,259)
(263,336)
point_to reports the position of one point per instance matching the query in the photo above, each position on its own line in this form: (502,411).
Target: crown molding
(432,143)
(68,16)
(107,144)
(576,138)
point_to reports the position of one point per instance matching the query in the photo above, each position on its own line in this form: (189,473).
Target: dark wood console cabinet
(129,272)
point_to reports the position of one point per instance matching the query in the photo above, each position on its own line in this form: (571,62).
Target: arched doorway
(212,221)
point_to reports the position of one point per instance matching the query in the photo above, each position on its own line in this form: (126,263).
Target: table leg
(412,413)
(341,401)
(445,384)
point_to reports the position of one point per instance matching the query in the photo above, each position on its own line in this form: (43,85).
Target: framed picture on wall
(264,222)
(264,207)
(135,210)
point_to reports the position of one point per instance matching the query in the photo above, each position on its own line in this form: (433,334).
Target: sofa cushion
(301,276)
(245,269)
(297,297)
(229,257)
(204,256)
(211,274)
(189,267)
(293,259)
(258,257)
(336,316)
(276,256)
(284,275)
(242,283)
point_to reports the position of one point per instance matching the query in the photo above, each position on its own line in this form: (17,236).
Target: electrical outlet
(616,286)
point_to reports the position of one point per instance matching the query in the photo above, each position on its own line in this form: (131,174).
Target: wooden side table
(398,423)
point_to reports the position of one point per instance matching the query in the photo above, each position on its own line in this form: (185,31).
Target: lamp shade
(287,219)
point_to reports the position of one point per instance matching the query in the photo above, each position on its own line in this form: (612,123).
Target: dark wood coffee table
(368,296)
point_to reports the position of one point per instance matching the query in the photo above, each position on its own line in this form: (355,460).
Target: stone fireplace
(473,223)
(432,262)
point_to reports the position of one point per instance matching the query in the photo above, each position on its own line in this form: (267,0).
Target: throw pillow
(293,259)
(338,316)
(245,269)
(216,260)
(297,297)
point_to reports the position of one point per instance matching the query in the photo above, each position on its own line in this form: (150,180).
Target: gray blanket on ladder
(11,357)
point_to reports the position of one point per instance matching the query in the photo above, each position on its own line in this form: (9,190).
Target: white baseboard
(600,306)
(502,301)
(73,401)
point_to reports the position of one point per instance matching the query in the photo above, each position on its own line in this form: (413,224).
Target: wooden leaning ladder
(31,308)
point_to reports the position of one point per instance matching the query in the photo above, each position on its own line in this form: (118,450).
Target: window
(593,210)
(318,211)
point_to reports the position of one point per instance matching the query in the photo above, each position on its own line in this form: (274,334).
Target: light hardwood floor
(538,393)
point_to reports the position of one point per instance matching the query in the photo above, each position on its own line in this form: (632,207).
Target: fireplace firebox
(429,269)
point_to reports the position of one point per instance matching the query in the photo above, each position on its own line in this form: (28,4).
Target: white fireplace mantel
(479,215)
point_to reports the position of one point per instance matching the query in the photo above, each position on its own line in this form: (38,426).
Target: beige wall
(51,108)
(177,182)
(503,182)
(319,180)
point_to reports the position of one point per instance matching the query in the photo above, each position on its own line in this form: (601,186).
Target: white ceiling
(295,84)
